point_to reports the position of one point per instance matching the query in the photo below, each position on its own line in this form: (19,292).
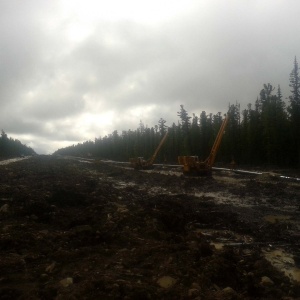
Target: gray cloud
(65,79)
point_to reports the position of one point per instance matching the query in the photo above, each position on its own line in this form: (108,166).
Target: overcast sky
(74,70)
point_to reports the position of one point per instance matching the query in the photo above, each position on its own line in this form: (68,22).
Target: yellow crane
(193,166)
(139,163)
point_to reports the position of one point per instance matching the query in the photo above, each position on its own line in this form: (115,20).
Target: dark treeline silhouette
(266,133)
(12,148)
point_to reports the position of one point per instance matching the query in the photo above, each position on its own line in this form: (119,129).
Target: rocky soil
(75,229)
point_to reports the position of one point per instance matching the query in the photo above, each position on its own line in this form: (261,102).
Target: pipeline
(270,174)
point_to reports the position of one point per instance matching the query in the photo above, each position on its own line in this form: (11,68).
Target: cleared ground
(73,229)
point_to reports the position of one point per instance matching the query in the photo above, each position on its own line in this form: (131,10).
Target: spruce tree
(294,112)
(185,128)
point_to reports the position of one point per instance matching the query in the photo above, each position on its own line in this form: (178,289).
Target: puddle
(169,172)
(290,178)
(85,161)
(153,190)
(279,258)
(221,198)
(276,218)
(122,184)
(8,161)
(221,238)
(283,261)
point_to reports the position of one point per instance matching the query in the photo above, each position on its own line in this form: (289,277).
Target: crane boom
(139,162)
(192,165)
(153,157)
(213,153)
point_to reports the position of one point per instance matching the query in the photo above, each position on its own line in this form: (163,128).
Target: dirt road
(83,230)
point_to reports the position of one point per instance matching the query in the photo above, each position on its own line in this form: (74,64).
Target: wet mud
(76,229)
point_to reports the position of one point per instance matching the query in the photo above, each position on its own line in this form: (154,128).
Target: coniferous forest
(12,147)
(265,133)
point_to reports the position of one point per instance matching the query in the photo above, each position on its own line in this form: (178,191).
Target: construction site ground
(78,229)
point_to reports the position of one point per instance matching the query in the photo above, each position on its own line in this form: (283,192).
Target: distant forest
(266,133)
(12,148)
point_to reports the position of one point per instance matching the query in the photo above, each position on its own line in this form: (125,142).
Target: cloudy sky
(74,70)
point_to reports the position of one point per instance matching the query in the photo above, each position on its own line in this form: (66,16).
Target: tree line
(10,147)
(266,132)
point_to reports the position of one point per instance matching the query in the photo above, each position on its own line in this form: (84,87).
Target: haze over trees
(266,132)
(12,147)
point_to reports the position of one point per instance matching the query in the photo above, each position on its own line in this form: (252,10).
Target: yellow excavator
(193,166)
(139,163)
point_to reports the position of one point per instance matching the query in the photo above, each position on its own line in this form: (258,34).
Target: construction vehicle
(193,166)
(139,163)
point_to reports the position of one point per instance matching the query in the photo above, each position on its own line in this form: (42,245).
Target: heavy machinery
(139,163)
(193,166)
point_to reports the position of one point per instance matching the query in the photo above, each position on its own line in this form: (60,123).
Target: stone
(229,291)
(166,282)
(50,268)
(266,281)
(66,282)
(4,208)
(193,292)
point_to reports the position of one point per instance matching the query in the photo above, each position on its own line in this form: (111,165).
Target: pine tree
(195,136)
(231,141)
(294,111)
(267,101)
(185,128)
(162,127)
(282,130)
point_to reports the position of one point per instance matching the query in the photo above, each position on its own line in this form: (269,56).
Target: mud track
(77,230)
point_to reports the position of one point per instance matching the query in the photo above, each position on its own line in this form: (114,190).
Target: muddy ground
(73,229)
